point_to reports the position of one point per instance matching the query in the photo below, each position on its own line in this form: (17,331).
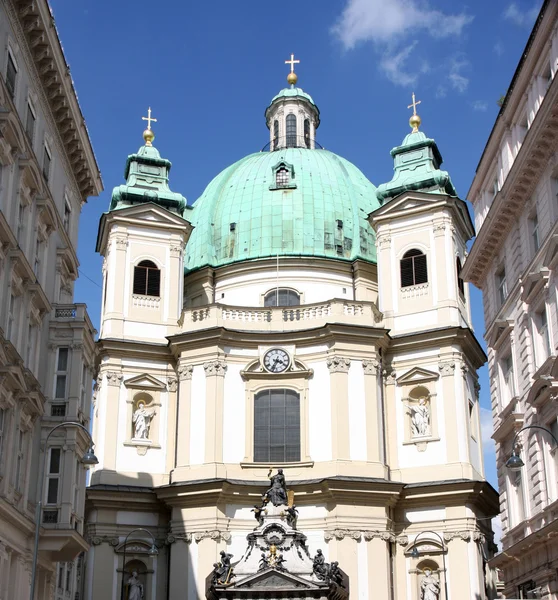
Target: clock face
(276,360)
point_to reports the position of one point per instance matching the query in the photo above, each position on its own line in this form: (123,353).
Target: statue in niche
(420,418)
(277,493)
(142,421)
(429,586)
(135,587)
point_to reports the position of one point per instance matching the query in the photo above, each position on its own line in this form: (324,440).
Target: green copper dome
(293,92)
(317,206)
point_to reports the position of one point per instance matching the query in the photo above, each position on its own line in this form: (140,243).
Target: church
(287,399)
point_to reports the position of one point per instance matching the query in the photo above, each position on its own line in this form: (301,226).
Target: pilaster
(184,411)
(215,379)
(372,398)
(447,372)
(339,384)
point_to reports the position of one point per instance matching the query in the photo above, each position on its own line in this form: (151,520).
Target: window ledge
(287,465)
(142,301)
(289,186)
(414,291)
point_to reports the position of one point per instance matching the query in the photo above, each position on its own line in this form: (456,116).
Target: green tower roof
(321,212)
(416,167)
(147,180)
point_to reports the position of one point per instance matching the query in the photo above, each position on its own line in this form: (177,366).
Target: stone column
(184,408)
(343,546)
(378,562)
(389,389)
(447,372)
(209,544)
(339,384)
(112,412)
(215,378)
(180,564)
(374,434)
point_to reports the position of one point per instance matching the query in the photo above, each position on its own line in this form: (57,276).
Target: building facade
(514,262)
(47,171)
(296,317)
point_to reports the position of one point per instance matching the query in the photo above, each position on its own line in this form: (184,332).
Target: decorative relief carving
(446,367)
(114,378)
(215,367)
(214,534)
(340,534)
(121,243)
(172,384)
(185,372)
(462,535)
(389,375)
(479,537)
(384,241)
(338,364)
(371,366)
(176,250)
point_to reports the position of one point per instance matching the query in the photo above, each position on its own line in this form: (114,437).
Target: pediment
(407,201)
(145,382)
(271,579)
(499,332)
(417,375)
(150,212)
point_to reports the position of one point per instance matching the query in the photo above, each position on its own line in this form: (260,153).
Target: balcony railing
(291,141)
(69,311)
(284,318)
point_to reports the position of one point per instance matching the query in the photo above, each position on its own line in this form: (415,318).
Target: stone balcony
(282,318)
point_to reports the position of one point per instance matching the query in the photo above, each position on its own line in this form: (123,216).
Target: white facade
(513,261)
(47,170)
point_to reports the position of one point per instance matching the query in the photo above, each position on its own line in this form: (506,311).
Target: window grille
(58,410)
(282,177)
(277,426)
(11,75)
(291,131)
(413,268)
(147,279)
(50,517)
(282,297)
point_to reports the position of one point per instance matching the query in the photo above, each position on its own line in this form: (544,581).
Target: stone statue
(277,493)
(320,567)
(135,587)
(279,563)
(142,421)
(335,574)
(258,513)
(420,417)
(291,514)
(429,586)
(264,563)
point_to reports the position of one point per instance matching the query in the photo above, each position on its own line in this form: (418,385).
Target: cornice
(37,33)
(539,145)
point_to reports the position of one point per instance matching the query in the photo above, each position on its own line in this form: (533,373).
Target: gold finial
(415,120)
(148,135)
(292,77)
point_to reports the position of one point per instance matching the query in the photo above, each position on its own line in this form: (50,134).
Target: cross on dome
(292,77)
(148,134)
(415,120)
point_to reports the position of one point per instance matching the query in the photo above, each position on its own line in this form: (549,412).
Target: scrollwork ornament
(462,535)
(340,534)
(370,366)
(446,367)
(338,364)
(114,378)
(185,372)
(389,375)
(213,534)
(172,384)
(402,540)
(96,540)
(114,542)
(176,250)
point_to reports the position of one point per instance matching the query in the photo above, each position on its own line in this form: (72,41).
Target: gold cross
(292,62)
(414,104)
(149,118)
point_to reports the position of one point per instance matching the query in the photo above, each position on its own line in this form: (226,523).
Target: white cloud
(487,429)
(499,48)
(393,65)
(458,81)
(384,22)
(497,529)
(522,18)
(480,105)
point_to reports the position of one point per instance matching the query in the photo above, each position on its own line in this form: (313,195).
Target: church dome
(293,201)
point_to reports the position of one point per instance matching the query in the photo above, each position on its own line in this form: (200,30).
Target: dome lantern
(292,117)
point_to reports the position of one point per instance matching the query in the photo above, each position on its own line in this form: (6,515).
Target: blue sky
(209,69)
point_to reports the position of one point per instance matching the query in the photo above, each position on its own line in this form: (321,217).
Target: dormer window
(282,177)
(147,279)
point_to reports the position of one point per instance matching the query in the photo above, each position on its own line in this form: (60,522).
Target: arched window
(275,134)
(413,268)
(307,132)
(460,282)
(277,426)
(282,297)
(147,279)
(291,131)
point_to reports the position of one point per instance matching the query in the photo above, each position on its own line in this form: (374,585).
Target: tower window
(413,268)
(460,282)
(291,131)
(275,134)
(147,279)
(277,426)
(307,133)
(282,177)
(282,297)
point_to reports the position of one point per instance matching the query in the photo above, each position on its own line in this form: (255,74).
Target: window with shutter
(460,282)
(277,426)
(147,279)
(413,268)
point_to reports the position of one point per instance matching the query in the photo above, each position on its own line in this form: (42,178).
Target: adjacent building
(295,316)
(514,261)
(47,172)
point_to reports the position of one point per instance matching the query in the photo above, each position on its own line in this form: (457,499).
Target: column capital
(371,366)
(185,372)
(338,364)
(341,534)
(447,367)
(215,367)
